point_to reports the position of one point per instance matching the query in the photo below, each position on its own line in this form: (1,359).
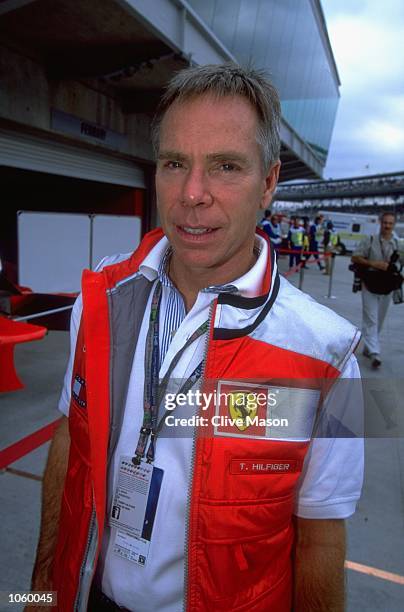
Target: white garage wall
(54,248)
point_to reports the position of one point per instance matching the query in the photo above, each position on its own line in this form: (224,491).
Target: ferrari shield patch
(243,404)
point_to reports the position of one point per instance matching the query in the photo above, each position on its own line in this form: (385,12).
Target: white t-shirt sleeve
(332,476)
(64,401)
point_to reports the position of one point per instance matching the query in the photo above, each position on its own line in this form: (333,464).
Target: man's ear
(271,180)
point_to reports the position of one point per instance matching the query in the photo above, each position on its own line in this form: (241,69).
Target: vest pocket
(237,521)
(248,574)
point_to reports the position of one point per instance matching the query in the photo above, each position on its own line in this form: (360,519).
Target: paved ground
(375,532)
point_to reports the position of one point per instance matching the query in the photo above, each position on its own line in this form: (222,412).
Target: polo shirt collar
(249,285)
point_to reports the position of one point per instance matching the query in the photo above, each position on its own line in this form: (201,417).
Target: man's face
(210,184)
(275,219)
(296,222)
(387,225)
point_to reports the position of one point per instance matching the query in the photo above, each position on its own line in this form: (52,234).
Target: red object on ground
(26,445)
(12,333)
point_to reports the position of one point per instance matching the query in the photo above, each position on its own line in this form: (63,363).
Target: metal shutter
(43,154)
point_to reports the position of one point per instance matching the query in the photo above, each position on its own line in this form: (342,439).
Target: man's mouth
(196,231)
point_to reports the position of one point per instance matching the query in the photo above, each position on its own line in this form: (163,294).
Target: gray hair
(228,80)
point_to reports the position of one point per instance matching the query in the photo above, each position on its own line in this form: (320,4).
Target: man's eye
(173,165)
(228,167)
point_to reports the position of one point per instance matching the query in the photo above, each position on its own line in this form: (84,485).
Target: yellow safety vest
(296,236)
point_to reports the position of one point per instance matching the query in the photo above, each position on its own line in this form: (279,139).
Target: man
(314,232)
(201,306)
(271,226)
(374,253)
(295,242)
(330,242)
(265,221)
(275,231)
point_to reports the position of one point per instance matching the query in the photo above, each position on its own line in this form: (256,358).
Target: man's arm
(52,489)
(370,263)
(319,557)
(361,256)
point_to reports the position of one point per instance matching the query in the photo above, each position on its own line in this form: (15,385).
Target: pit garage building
(79,82)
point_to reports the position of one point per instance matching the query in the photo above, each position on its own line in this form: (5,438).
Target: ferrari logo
(242,404)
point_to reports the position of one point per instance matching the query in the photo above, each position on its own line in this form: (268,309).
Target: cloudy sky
(367,37)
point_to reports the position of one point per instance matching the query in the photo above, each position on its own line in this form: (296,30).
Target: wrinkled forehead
(207,106)
(205,125)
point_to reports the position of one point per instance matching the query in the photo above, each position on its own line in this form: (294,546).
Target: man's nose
(196,189)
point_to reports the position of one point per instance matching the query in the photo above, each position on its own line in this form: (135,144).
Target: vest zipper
(188,505)
(87,566)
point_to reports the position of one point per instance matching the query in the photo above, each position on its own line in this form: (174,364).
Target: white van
(399,230)
(351,227)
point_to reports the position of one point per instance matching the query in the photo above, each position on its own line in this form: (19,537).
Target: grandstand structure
(369,192)
(357,187)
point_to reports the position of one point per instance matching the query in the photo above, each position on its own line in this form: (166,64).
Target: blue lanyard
(154,390)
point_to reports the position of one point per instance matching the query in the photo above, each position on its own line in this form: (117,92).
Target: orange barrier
(12,333)
(303,253)
(375,572)
(26,445)
(304,261)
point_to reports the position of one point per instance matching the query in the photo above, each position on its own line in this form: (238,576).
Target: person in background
(275,232)
(375,253)
(295,241)
(264,224)
(306,242)
(272,227)
(313,239)
(330,241)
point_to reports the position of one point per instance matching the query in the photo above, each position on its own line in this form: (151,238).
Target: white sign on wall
(54,248)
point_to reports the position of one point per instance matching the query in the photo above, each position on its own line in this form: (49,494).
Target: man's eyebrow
(222,156)
(227,156)
(171,155)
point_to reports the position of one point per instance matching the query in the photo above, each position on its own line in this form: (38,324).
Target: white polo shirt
(330,485)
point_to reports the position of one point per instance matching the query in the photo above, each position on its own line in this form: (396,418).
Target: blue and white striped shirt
(173,312)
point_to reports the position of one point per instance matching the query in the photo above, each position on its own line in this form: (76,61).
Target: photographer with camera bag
(377,264)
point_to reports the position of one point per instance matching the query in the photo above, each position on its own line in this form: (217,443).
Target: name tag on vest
(246,467)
